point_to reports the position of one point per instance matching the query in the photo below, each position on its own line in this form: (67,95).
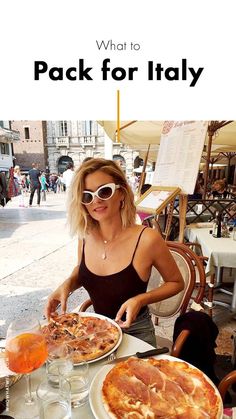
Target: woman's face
(218,187)
(99,209)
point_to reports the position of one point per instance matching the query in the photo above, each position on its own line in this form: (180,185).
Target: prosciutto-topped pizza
(152,388)
(89,337)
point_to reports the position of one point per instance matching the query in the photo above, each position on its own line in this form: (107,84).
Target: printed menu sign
(179,154)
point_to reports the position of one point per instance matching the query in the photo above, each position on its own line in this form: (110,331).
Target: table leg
(233,304)
(219,275)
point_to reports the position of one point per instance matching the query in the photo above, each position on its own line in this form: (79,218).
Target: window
(4,148)
(63,129)
(27,133)
(88,128)
(1,124)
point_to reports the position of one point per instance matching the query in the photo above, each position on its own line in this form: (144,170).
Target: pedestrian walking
(3,190)
(19,185)
(35,185)
(53,182)
(44,185)
(68,175)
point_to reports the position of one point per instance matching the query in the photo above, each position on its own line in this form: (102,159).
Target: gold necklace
(104,254)
(105,242)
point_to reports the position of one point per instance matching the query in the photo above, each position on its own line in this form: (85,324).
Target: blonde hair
(220,182)
(78,217)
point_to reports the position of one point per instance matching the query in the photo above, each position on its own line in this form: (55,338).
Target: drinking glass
(234,233)
(59,360)
(54,401)
(79,384)
(25,352)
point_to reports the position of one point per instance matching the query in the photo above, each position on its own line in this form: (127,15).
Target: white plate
(100,316)
(95,395)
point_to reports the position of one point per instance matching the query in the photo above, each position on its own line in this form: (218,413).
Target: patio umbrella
(139,134)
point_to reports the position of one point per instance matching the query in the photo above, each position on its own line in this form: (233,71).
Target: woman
(219,189)
(115,256)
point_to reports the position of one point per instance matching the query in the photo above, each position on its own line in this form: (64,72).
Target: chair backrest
(198,263)
(226,382)
(178,303)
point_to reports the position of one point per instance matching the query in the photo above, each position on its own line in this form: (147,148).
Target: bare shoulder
(150,237)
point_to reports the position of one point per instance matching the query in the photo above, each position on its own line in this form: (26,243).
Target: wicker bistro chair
(194,250)
(180,303)
(226,383)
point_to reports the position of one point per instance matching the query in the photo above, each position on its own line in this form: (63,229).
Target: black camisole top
(109,292)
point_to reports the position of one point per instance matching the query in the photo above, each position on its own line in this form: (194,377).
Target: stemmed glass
(25,352)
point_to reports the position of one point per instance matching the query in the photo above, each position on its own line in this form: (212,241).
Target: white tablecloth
(129,346)
(220,251)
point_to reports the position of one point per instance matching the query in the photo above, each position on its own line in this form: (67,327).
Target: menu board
(156,199)
(179,154)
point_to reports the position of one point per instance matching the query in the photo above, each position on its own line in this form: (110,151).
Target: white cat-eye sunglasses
(103,192)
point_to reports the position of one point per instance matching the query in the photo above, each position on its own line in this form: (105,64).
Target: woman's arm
(61,294)
(154,253)
(162,259)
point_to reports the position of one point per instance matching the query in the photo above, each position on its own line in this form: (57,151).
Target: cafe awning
(141,133)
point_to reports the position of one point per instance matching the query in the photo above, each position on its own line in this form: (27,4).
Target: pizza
(159,388)
(88,337)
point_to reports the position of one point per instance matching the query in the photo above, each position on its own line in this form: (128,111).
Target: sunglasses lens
(105,192)
(87,198)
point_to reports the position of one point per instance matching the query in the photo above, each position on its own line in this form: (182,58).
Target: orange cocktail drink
(26,352)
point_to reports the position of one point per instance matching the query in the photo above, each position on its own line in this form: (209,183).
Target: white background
(60,32)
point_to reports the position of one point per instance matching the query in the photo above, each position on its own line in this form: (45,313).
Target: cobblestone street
(36,254)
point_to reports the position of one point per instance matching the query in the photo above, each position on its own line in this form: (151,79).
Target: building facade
(73,141)
(32,145)
(9,138)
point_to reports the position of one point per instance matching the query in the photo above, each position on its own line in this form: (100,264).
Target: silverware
(145,354)
(111,357)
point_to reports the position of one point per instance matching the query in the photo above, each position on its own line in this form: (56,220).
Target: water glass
(234,233)
(54,402)
(79,384)
(59,359)
(55,368)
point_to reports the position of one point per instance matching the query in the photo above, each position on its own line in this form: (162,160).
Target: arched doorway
(62,163)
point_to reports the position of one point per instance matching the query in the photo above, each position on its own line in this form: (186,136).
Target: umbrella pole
(206,173)
(183,203)
(118,117)
(143,174)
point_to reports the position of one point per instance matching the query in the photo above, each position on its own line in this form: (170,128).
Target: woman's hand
(131,307)
(58,297)
(61,294)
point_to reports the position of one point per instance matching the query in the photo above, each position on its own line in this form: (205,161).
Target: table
(129,346)
(221,252)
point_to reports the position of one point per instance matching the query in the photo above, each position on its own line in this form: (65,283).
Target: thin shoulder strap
(138,243)
(82,258)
